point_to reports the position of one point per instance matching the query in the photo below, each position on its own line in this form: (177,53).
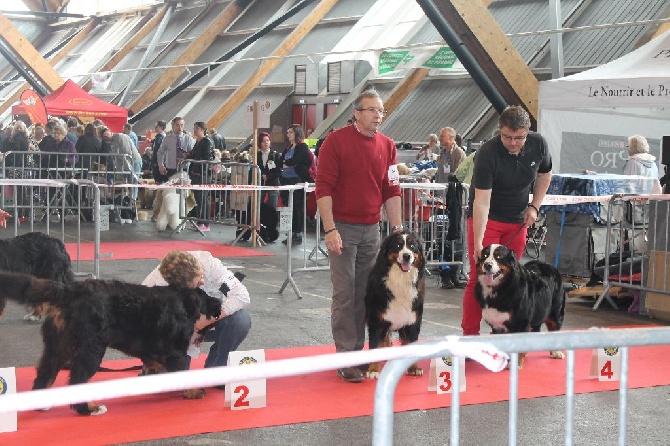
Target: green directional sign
(443,58)
(389,60)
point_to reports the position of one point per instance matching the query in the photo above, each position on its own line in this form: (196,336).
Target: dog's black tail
(30,290)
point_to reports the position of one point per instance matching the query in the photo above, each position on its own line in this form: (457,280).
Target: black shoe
(459,284)
(350,374)
(295,240)
(447,285)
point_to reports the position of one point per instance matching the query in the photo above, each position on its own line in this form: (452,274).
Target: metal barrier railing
(107,170)
(77,189)
(491,351)
(637,246)
(231,207)
(514,344)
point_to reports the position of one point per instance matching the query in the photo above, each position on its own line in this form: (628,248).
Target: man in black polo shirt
(500,212)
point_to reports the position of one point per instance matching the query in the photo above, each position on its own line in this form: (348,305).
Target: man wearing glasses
(357,174)
(500,211)
(451,156)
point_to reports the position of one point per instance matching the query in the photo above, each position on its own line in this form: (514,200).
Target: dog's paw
(372,374)
(32,317)
(557,354)
(194,394)
(415,371)
(99,410)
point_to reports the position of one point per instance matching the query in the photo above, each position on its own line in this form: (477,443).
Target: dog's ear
(386,245)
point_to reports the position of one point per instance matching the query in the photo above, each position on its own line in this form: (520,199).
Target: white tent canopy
(587,117)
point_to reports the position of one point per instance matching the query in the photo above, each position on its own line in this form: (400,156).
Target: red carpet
(157,250)
(291,400)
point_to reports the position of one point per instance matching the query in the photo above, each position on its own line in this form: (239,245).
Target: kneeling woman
(199,269)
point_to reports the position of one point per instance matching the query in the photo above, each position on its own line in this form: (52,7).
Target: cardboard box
(658,304)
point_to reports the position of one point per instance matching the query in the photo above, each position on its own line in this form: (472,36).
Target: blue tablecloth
(595,185)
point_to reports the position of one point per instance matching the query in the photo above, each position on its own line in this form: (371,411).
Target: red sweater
(353,170)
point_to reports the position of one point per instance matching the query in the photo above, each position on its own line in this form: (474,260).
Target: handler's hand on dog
(203,322)
(334,242)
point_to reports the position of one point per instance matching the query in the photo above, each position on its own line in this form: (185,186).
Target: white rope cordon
(489,356)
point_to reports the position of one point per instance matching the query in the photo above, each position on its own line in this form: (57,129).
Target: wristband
(329,231)
(531,205)
(397,228)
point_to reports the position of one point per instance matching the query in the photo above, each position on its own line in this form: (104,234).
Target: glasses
(513,138)
(373,110)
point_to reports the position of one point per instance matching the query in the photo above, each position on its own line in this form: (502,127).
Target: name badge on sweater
(394,175)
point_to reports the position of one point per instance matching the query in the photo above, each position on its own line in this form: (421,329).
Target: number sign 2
(246,394)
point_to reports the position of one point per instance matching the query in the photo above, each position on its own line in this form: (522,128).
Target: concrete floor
(283,320)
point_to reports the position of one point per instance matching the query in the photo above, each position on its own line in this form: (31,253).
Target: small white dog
(166,209)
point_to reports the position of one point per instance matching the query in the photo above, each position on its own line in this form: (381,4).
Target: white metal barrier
(37,208)
(637,248)
(493,352)
(513,344)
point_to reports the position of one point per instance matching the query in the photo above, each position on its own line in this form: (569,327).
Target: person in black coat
(155,144)
(90,144)
(268,161)
(295,164)
(203,150)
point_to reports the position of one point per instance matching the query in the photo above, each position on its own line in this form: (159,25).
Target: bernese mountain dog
(155,324)
(518,298)
(394,297)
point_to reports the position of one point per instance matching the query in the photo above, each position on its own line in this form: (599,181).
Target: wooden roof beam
(290,42)
(63,52)
(493,51)
(190,54)
(29,56)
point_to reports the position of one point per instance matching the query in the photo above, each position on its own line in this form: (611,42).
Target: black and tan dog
(395,293)
(38,254)
(154,324)
(519,298)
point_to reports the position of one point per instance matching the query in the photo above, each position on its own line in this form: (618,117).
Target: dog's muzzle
(487,269)
(405,262)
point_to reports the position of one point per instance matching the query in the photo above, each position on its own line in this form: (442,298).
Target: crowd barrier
(240,208)
(108,170)
(38,208)
(637,251)
(424,211)
(437,213)
(494,352)
(513,344)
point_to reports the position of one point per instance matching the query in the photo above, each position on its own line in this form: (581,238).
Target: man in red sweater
(357,174)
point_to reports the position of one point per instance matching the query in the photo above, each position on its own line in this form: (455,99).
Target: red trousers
(495,233)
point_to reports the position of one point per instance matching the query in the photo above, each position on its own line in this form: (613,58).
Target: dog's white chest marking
(495,318)
(403,287)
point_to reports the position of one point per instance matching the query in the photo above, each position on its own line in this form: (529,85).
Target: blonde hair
(637,144)
(433,137)
(179,268)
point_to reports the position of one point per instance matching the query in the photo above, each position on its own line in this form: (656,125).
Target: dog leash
(513,235)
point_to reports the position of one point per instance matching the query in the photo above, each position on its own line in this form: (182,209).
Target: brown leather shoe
(350,374)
